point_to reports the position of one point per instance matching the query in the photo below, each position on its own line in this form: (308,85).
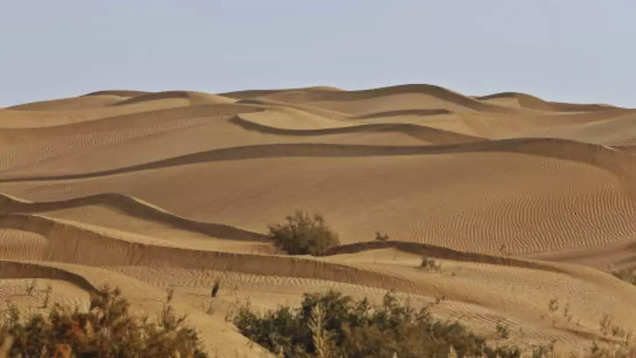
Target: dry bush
(303,234)
(430,265)
(381,237)
(106,330)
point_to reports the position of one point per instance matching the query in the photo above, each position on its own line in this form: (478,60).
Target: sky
(564,50)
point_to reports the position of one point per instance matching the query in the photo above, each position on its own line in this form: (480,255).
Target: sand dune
(190,97)
(615,161)
(91,102)
(532,102)
(616,129)
(119,93)
(317,95)
(99,247)
(521,199)
(427,134)
(422,112)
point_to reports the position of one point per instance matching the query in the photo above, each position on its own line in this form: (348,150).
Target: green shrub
(106,330)
(357,329)
(303,234)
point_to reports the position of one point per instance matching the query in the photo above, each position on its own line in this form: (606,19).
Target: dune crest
(516,199)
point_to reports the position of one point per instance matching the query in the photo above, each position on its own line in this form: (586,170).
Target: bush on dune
(106,330)
(334,325)
(303,234)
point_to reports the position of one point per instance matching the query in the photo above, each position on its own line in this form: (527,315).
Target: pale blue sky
(569,50)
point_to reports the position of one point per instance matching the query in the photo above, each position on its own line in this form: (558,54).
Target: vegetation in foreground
(303,234)
(107,330)
(326,325)
(331,325)
(334,325)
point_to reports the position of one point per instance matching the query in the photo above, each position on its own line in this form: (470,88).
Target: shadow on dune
(433,135)
(131,206)
(405,112)
(311,95)
(27,270)
(532,102)
(75,243)
(622,164)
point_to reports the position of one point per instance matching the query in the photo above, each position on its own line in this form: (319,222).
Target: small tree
(304,234)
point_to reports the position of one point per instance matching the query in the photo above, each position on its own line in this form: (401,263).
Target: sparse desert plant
(439,299)
(542,351)
(553,307)
(430,265)
(30,287)
(612,350)
(169,295)
(106,330)
(502,330)
(47,296)
(303,234)
(605,324)
(566,313)
(381,237)
(215,288)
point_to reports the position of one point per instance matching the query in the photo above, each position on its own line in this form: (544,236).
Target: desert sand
(521,200)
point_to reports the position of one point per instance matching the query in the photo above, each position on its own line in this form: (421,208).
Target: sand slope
(522,200)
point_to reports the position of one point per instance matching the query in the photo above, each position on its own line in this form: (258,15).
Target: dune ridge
(419,112)
(605,157)
(10,269)
(79,244)
(132,206)
(192,97)
(439,252)
(416,131)
(119,93)
(328,95)
(518,199)
(532,102)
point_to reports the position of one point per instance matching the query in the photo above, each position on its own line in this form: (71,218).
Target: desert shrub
(303,234)
(502,330)
(215,288)
(355,329)
(430,265)
(381,237)
(106,330)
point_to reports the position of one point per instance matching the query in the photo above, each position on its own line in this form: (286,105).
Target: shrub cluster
(303,234)
(334,325)
(106,330)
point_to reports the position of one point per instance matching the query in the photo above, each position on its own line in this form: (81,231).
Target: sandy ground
(521,200)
